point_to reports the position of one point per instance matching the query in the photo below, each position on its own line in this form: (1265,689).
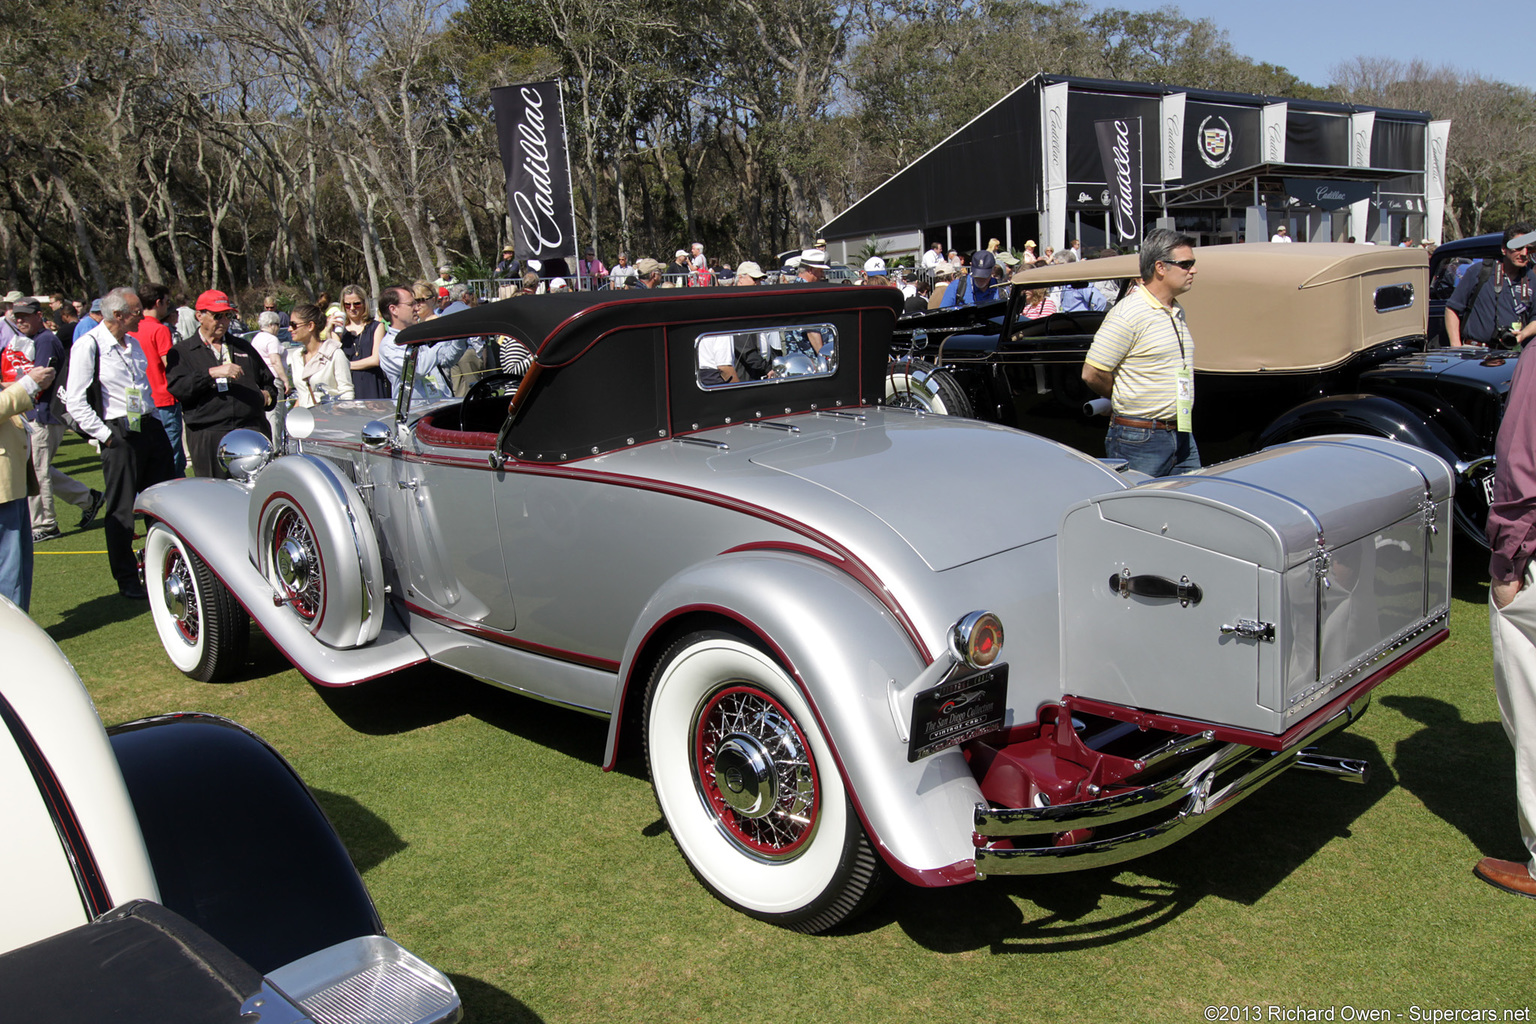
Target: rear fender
(845,651)
(1385,416)
(238,844)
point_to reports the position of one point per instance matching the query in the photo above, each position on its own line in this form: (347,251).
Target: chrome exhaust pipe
(1350,769)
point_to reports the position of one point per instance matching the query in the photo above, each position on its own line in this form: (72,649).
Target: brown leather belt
(1127,421)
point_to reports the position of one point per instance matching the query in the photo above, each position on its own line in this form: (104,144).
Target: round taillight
(978,639)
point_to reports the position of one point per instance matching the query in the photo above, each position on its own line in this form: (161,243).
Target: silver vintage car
(695,517)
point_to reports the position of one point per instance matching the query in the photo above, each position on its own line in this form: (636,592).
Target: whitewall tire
(748,786)
(916,384)
(202,627)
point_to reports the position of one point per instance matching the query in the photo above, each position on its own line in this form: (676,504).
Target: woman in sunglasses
(319,369)
(359,339)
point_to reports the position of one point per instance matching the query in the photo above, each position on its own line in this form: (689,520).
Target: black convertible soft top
(614,369)
(559,326)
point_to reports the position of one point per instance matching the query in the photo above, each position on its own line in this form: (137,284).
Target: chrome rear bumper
(1224,776)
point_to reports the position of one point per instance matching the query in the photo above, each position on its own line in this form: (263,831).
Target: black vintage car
(1447,264)
(1292,341)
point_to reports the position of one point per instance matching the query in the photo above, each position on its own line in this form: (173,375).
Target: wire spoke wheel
(921,385)
(754,768)
(202,627)
(294,559)
(180,592)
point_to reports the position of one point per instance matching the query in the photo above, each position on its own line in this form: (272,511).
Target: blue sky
(1309,37)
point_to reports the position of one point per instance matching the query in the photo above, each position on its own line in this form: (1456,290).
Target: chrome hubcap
(746,776)
(754,768)
(292,564)
(180,599)
(176,597)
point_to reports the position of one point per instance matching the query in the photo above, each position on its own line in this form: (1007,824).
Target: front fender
(846,652)
(1377,415)
(204,512)
(238,845)
(326,502)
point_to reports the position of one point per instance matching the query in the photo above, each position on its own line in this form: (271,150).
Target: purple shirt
(1512,518)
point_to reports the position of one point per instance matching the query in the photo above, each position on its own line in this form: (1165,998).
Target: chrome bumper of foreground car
(1190,799)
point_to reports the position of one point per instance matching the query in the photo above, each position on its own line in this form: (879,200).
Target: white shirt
(122,365)
(932,259)
(1278,237)
(186,323)
(716,350)
(270,349)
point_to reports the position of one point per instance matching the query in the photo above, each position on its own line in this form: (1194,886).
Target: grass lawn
(498,849)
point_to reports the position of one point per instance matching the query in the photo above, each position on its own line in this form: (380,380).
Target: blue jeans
(170,415)
(16,552)
(1153,452)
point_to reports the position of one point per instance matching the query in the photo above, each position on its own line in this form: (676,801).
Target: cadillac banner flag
(530,125)
(1120,150)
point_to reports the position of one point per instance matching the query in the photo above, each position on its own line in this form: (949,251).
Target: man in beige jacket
(17,482)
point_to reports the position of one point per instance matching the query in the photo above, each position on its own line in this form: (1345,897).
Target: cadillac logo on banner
(1120,151)
(1215,139)
(530,126)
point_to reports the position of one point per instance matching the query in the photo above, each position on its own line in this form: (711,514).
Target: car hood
(954,490)
(1468,367)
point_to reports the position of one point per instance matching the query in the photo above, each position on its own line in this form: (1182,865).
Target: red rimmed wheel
(754,766)
(292,558)
(748,787)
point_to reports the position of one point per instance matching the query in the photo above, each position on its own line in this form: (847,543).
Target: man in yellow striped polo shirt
(1143,358)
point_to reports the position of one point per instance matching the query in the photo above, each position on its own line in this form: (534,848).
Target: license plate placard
(957,710)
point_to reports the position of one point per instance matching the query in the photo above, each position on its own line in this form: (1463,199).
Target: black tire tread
(226,628)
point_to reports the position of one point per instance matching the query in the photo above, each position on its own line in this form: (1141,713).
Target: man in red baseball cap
(220,381)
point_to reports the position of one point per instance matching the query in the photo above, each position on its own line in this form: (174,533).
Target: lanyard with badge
(222,383)
(1184,399)
(133,394)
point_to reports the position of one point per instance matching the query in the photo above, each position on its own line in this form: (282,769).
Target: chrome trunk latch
(1322,562)
(1429,515)
(1252,629)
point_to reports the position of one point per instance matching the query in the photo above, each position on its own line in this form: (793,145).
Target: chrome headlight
(243,453)
(977,639)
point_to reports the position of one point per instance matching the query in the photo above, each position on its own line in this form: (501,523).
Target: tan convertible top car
(1291,341)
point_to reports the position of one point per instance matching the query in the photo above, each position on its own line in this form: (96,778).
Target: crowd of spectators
(154,382)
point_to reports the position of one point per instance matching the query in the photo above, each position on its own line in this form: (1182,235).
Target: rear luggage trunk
(1280,579)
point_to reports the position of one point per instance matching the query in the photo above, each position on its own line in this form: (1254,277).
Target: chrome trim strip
(703,442)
